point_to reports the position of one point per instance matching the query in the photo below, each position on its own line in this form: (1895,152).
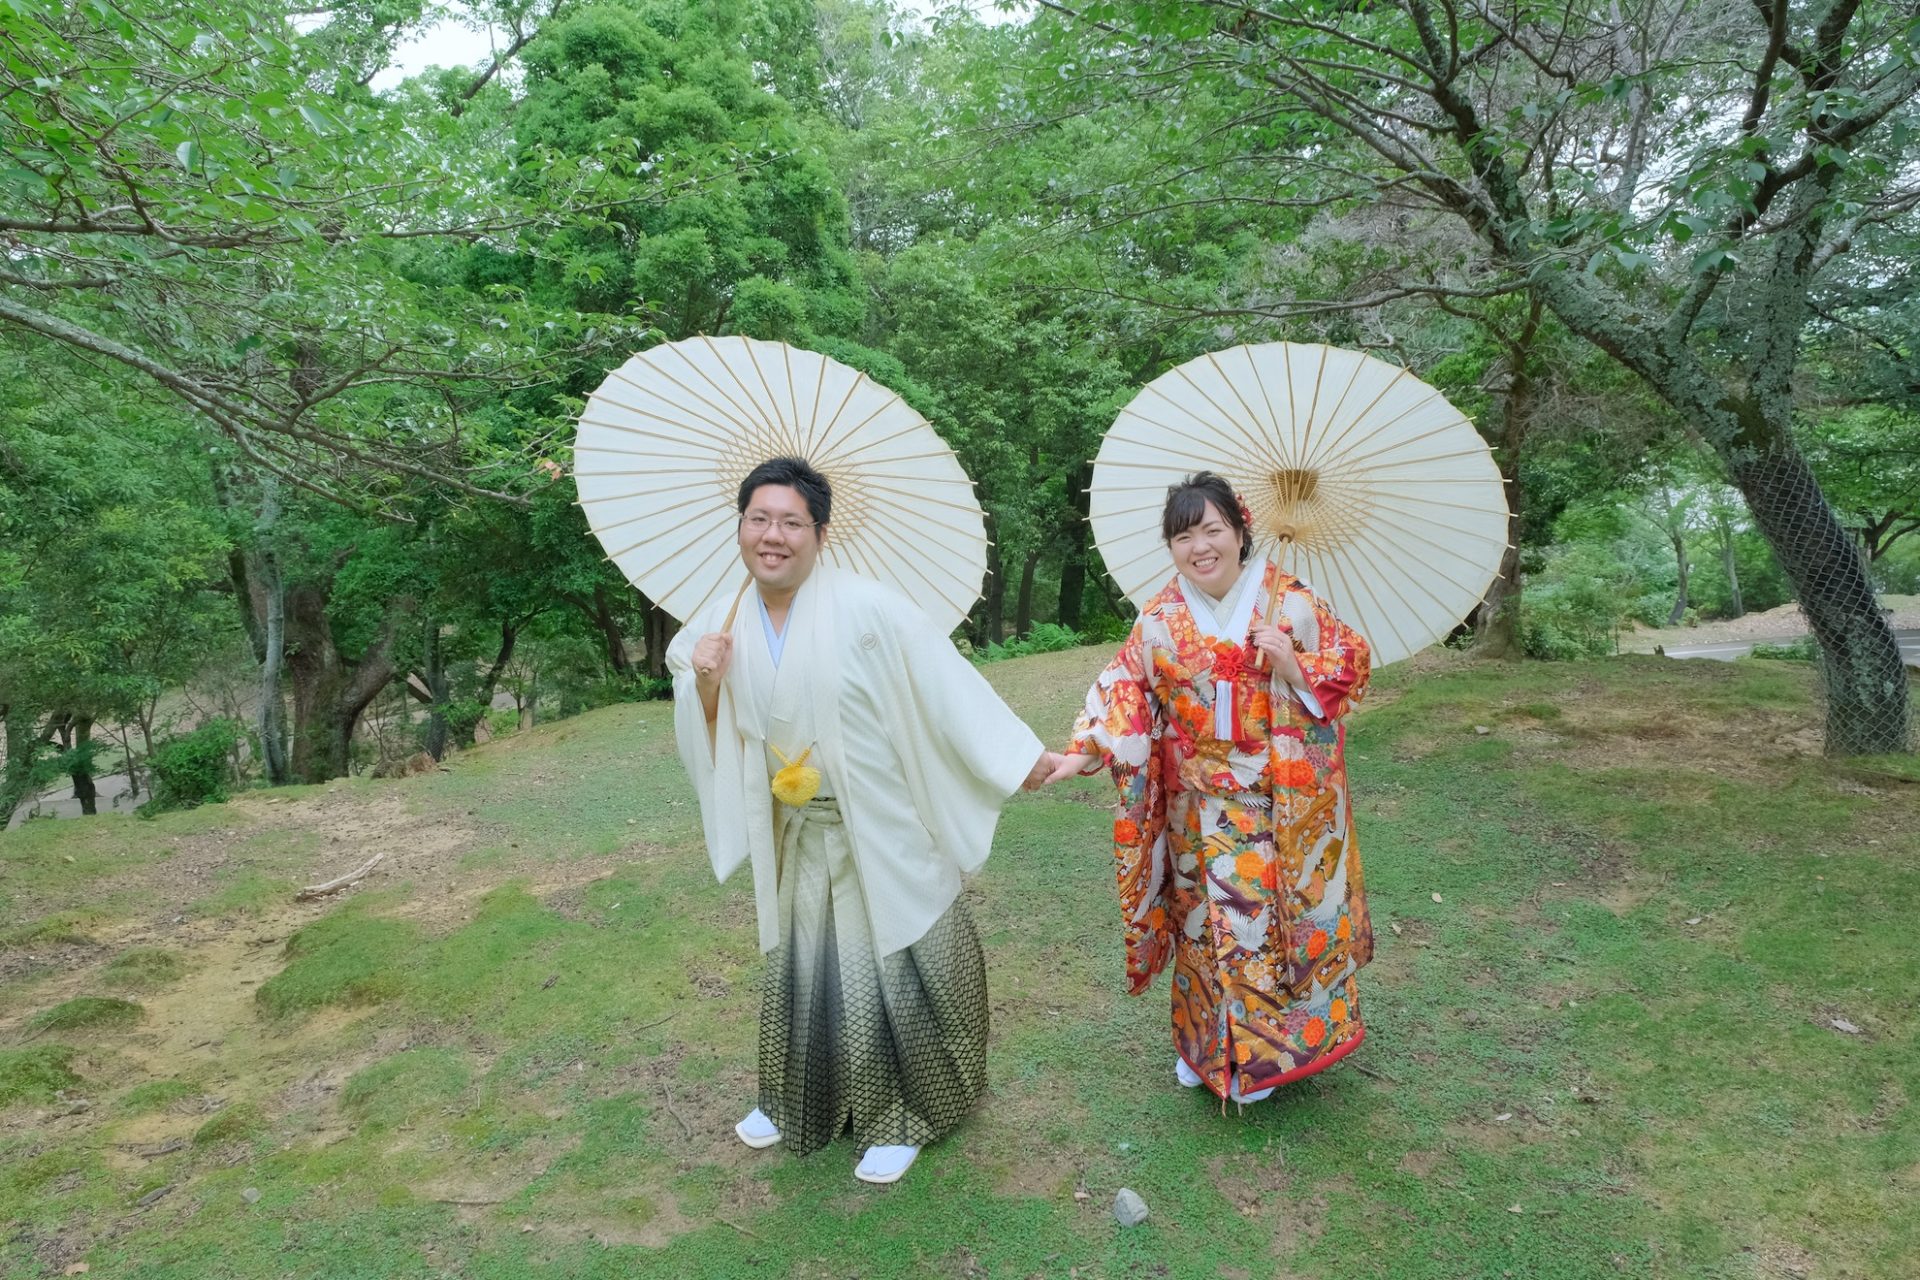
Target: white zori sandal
(882,1165)
(756,1130)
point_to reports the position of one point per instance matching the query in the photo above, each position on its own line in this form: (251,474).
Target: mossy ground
(1616,1045)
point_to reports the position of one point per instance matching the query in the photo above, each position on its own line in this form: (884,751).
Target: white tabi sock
(1234,1094)
(1186,1075)
(756,1130)
(885,1164)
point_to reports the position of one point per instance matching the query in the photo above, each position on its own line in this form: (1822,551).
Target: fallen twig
(1369,1072)
(684,1126)
(313,891)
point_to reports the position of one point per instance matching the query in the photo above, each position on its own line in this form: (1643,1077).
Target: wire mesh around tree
(1865,690)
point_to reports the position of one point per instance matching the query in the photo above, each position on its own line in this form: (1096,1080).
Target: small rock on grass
(1129,1210)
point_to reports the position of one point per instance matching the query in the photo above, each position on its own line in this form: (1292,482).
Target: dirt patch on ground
(1260,1187)
(1789,1261)
(1493,1135)
(1420,1164)
(1003,1130)
(1602,734)
(655,1224)
(41,959)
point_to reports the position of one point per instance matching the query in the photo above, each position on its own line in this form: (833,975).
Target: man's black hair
(795,473)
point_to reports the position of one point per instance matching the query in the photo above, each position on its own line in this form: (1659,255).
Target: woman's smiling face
(1208,552)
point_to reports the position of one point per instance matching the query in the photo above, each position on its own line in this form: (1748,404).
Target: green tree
(1679,203)
(1868,459)
(108,557)
(218,206)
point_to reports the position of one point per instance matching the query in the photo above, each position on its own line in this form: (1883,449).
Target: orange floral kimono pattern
(1237,859)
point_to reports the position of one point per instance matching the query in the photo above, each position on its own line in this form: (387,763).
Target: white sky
(449,44)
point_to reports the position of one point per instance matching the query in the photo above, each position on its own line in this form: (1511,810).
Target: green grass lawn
(1645,1005)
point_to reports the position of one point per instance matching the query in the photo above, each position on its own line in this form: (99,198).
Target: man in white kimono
(844,749)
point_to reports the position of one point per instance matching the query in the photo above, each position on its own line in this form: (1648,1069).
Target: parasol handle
(735,611)
(732,613)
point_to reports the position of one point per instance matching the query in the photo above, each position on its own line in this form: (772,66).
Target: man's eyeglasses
(760,522)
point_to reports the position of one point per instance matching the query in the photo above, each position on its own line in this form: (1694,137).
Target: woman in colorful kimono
(1233,838)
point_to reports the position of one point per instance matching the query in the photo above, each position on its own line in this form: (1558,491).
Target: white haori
(918,750)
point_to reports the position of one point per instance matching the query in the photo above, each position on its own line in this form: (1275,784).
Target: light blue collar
(776,640)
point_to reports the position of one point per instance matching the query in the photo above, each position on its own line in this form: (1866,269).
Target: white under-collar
(1229,617)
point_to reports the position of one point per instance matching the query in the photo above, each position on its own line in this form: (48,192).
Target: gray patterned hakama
(893,1047)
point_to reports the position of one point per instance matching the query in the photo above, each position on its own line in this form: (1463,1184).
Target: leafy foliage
(193,768)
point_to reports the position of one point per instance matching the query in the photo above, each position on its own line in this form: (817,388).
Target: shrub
(1578,598)
(1107,629)
(192,769)
(1047,637)
(1802,650)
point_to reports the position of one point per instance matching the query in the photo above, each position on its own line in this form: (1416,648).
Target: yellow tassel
(796,782)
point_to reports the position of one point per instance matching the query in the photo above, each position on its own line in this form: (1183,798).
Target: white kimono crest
(914,744)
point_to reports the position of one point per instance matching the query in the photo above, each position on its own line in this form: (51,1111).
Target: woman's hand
(1070,766)
(1042,771)
(1278,646)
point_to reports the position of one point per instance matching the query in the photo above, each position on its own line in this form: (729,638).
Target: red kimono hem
(1287,1077)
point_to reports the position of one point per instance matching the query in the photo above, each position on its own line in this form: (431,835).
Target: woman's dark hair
(795,473)
(1187,507)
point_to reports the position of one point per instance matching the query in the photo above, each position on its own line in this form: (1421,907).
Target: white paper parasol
(665,442)
(1362,480)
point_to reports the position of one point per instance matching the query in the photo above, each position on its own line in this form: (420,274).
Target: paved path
(1728,650)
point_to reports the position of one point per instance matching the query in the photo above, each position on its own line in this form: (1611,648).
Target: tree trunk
(1073,565)
(599,612)
(435,661)
(509,637)
(262,596)
(1496,624)
(126,750)
(1497,621)
(24,744)
(660,630)
(1023,608)
(82,772)
(1679,611)
(1868,701)
(329,692)
(270,718)
(1738,605)
(993,617)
